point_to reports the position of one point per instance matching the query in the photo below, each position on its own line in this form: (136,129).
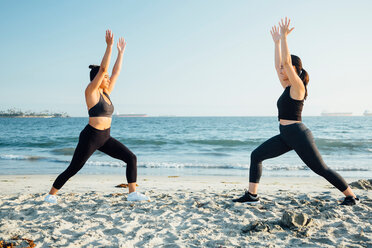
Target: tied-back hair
(93,71)
(296,62)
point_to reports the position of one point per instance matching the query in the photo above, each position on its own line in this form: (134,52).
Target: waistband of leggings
(297,125)
(93,129)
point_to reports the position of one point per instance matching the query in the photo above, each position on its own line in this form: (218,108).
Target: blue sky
(184,57)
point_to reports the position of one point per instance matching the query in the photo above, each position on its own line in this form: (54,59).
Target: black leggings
(299,138)
(90,140)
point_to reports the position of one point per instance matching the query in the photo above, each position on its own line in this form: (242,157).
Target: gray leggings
(299,138)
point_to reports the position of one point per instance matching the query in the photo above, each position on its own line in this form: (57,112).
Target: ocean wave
(65,146)
(107,163)
(31,158)
(145,142)
(34,143)
(221,142)
(237,166)
(331,144)
(214,154)
(63,151)
(164,165)
(322,143)
(20,157)
(281,167)
(189,165)
(183,165)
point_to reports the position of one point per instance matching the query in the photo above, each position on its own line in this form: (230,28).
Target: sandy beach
(184,212)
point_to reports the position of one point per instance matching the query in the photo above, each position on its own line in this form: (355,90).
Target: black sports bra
(289,108)
(102,108)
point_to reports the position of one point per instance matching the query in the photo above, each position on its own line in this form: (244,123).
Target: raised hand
(121,45)
(284,27)
(275,34)
(109,37)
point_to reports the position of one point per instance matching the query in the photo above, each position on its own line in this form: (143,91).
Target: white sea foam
(19,157)
(238,166)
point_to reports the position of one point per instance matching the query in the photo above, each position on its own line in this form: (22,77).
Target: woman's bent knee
(133,159)
(255,157)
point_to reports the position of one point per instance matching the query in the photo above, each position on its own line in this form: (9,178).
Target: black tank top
(289,108)
(102,108)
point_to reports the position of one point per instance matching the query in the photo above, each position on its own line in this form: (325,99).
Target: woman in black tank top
(96,135)
(294,135)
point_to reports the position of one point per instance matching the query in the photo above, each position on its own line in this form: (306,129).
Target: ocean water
(184,145)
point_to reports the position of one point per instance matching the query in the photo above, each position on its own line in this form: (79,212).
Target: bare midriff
(287,122)
(100,123)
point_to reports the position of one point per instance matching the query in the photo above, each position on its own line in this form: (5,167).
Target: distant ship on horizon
(367,113)
(130,115)
(336,113)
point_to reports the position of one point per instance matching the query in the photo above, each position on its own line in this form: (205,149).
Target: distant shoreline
(223,116)
(178,116)
(15,113)
(35,116)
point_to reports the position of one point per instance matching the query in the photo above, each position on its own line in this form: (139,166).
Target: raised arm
(294,80)
(278,59)
(117,67)
(94,85)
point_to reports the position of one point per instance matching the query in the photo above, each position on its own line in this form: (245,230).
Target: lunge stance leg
(271,148)
(117,150)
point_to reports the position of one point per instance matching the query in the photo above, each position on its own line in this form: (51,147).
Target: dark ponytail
(304,76)
(93,71)
(297,63)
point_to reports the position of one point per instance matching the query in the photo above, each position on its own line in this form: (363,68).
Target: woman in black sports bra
(96,135)
(294,135)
